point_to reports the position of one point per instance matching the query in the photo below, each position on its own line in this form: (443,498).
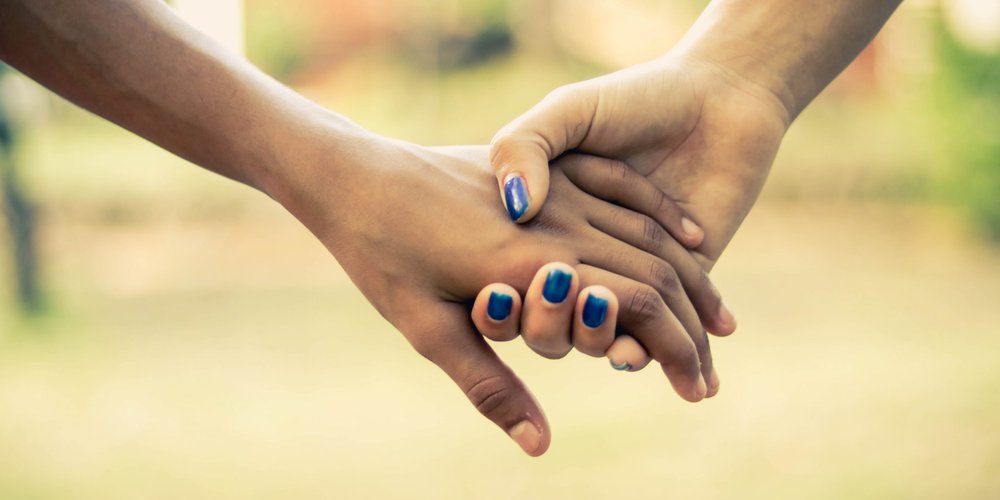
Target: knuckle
(662,202)
(619,171)
(653,234)
(666,279)
(490,394)
(644,305)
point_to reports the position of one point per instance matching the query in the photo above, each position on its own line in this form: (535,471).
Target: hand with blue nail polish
(677,276)
(702,124)
(412,226)
(430,241)
(551,325)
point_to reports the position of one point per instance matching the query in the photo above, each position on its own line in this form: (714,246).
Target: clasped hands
(676,153)
(624,189)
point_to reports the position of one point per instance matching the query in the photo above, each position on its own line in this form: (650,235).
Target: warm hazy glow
(975,22)
(220,19)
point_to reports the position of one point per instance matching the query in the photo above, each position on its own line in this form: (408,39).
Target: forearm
(793,48)
(135,63)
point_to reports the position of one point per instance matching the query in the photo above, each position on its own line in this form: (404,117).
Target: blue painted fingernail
(499,306)
(557,286)
(624,367)
(594,311)
(516,193)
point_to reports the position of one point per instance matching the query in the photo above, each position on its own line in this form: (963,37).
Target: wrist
(325,170)
(792,49)
(314,144)
(744,57)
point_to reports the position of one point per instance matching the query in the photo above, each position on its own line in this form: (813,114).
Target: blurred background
(165,333)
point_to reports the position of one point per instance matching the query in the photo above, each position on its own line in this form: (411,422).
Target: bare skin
(704,122)
(412,226)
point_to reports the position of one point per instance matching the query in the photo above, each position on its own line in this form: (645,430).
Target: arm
(138,65)
(793,48)
(412,226)
(781,53)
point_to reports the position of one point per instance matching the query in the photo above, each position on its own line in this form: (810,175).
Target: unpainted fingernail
(595,309)
(499,306)
(557,285)
(526,435)
(726,315)
(690,227)
(622,367)
(515,190)
(702,386)
(713,380)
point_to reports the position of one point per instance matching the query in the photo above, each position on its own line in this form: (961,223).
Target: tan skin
(704,122)
(412,226)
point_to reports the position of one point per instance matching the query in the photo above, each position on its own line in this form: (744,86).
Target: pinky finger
(497,312)
(626,354)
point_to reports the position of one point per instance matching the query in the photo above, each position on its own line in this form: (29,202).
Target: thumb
(521,151)
(447,339)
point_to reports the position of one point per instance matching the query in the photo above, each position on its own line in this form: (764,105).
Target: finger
(548,310)
(520,152)
(497,312)
(642,232)
(643,267)
(713,383)
(626,354)
(595,320)
(615,181)
(444,335)
(643,315)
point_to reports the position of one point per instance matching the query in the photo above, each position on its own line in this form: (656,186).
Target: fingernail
(594,311)
(702,386)
(557,286)
(623,367)
(713,379)
(516,193)
(498,308)
(690,227)
(526,435)
(726,315)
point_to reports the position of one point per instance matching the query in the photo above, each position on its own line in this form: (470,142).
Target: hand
(587,324)
(554,330)
(700,132)
(422,240)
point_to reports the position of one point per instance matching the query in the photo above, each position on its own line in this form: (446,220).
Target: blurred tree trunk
(20,221)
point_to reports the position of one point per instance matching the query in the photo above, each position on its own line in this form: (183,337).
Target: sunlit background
(166,333)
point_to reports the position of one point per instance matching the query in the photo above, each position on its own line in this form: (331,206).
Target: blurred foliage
(470,35)
(967,101)
(277,39)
